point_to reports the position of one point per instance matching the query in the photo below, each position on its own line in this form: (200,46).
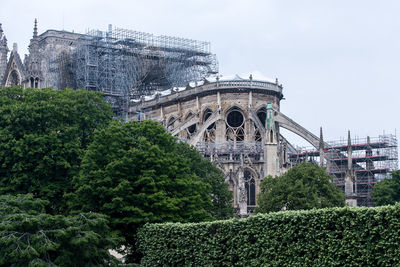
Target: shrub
(324,237)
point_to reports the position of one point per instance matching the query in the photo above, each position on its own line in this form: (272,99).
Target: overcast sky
(338,60)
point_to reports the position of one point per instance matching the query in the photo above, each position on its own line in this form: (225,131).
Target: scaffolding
(373,159)
(126,64)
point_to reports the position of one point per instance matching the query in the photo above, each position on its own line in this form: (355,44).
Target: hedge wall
(325,237)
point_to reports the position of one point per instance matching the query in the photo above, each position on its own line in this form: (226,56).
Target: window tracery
(262,116)
(192,128)
(209,133)
(235,125)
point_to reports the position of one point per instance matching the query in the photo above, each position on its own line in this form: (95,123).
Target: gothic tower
(3,54)
(33,64)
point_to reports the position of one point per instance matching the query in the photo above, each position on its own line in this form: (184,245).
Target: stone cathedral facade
(233,121)
(48,64)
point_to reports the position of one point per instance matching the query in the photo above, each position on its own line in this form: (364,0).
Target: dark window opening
(207,114)
(240,135)
(262,116)
(250,187)
(14,78)
(235,119)
(192,128)
(170,124)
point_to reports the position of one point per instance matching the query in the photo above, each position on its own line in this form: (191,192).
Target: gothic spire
(321,148)
(2,33)
(35,29)
(349,152)
(3,39)
(321,138)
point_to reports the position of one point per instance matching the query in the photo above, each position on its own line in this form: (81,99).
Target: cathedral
(235,121)
(122,64)
(47,65)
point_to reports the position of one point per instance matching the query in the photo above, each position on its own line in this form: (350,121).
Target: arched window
(32,82)
(170,124)
(271,136)
(209,133)
(262,115)
(36,82)
(235,125)
(250,186)
(207,114)
(14,78)
(192,128)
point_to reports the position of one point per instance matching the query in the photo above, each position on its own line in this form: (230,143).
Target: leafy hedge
(324,237)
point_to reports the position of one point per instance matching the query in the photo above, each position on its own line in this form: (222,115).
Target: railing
(245,83)
(230,148)
(219,85)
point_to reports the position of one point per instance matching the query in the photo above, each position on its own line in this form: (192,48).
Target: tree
(30,237)
(133,173)
(304,186)
(387,192)
(207,172)
(43,136)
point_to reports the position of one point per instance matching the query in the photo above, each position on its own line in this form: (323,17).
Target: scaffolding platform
(372,159)
(128,64)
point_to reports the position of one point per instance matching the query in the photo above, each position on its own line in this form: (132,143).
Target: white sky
(338,60)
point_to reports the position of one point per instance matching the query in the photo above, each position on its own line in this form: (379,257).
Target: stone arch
(170,123)
(14,78)
(206,113)
(289,124)
(214,117)
(234,107)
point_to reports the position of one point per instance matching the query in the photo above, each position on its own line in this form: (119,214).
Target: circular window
(235,118)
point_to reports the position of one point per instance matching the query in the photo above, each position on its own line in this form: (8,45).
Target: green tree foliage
(305,186)
(133,173)
(30,237)
(387,192)
(43,135)
(207,172)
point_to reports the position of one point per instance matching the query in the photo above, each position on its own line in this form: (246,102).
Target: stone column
(242,194)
